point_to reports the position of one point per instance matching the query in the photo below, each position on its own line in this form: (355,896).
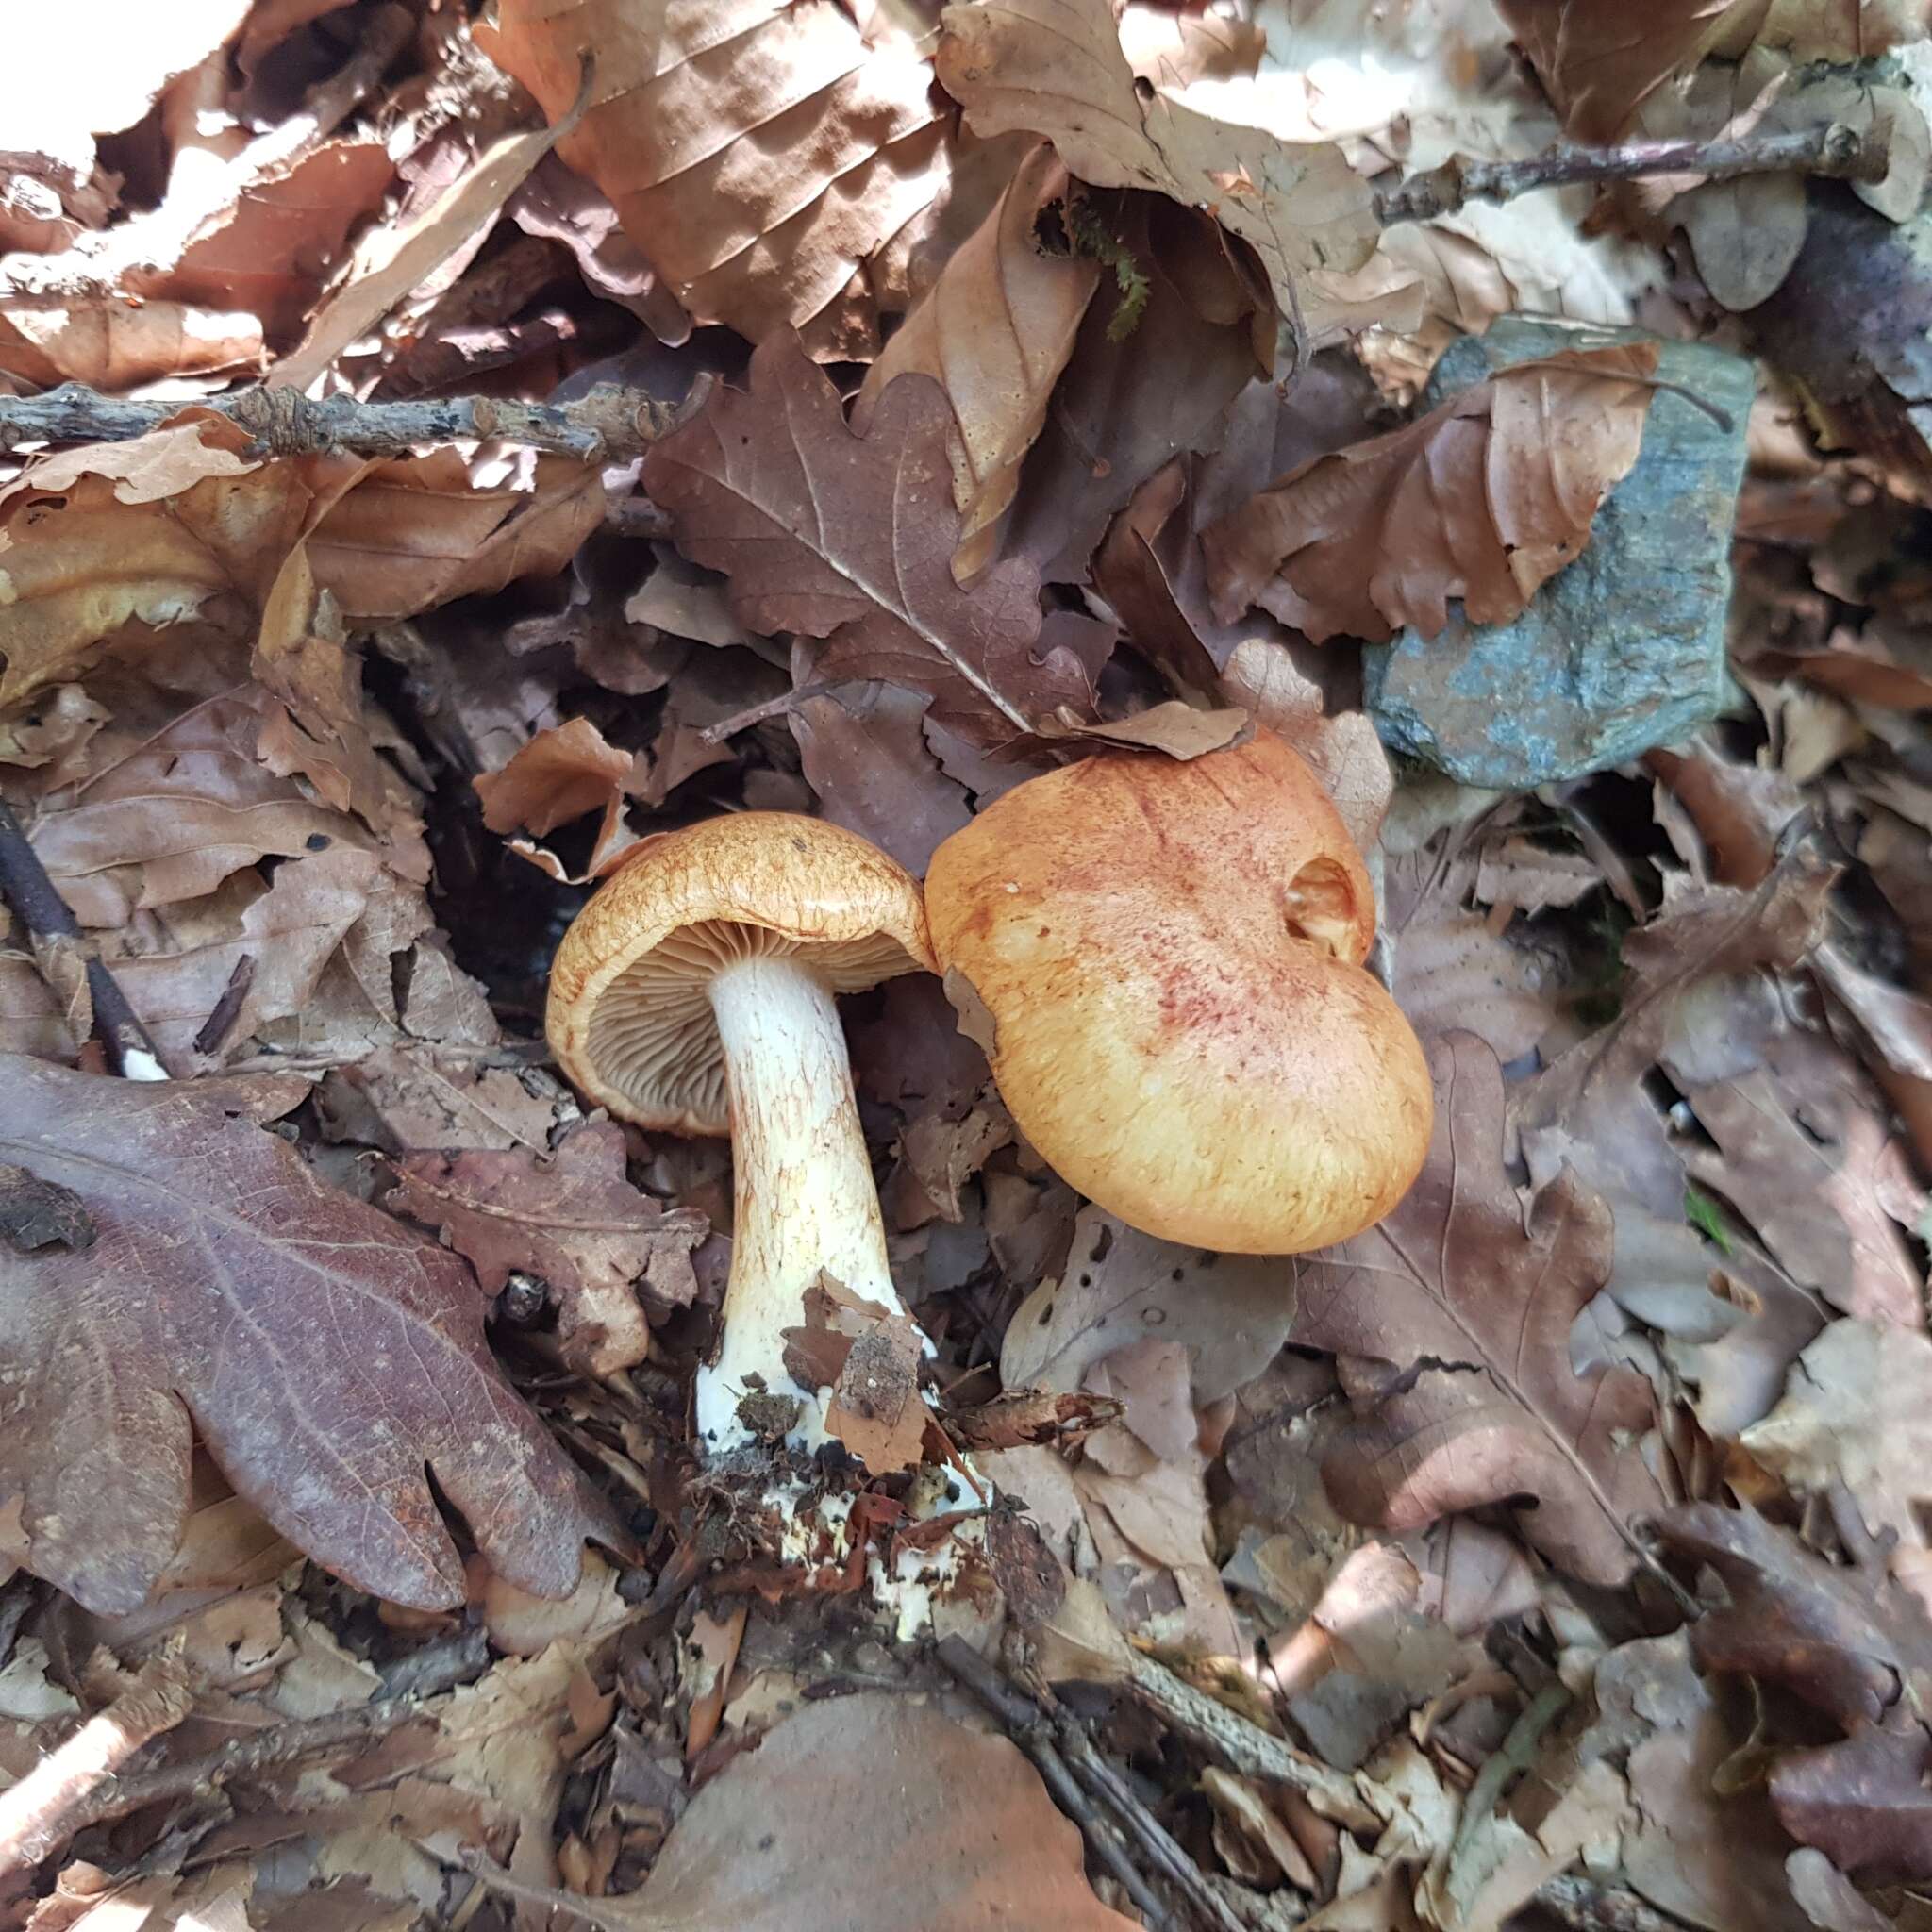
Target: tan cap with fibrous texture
(629,1018)
(1170,954)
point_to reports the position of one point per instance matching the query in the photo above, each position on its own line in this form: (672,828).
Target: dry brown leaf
(1858,1410)
(417,531)
(212,1229)
(1132,398)
(1485,498)
(1231,1312)
(759,158)
(565,772)
(863,750)
(399,259)
(115,346)
(1176,49)
(994,331)
(1600,62)
(607,1250)
(169,799)
(850,538)
(772,1843)
(1057,68)
(1480,1296)
(270,252)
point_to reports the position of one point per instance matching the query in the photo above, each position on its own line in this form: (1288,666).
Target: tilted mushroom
(1171,955)
(694,994)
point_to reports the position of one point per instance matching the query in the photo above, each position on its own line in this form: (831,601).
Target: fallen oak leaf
(1456,1312)
(1485,498)
(609,1250)
(329,1358)
(851,539)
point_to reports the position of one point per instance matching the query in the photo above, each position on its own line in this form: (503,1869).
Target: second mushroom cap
(1170,954)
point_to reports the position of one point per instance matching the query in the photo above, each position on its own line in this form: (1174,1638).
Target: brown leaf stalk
(1832,150)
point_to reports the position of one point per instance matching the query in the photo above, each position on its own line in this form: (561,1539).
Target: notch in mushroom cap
(694,994)
(1172,957)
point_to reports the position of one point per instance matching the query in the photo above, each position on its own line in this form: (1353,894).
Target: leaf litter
(1042,383)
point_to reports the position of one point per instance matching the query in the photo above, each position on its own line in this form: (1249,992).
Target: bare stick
(606,424)
(1833,150)
(110,1797)
(39,1814)
(52,925)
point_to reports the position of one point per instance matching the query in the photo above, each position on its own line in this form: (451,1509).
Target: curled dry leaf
(758,159)
(327,1357)
(851,539)
(1056,67)
(1458,1308)
(994,331)
(1485,498)
(565,771)
(608,1252)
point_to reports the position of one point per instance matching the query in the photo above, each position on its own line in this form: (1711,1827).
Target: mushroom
(694,995)
(1171,957)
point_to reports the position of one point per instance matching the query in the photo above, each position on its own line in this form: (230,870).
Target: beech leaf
(328,1358)
(757,157)
(850,538)
(1459,1308)
(994,331)
(1485,498)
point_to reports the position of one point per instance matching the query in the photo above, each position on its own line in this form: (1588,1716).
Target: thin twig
(264,1750)
(1028,1729)
(604,424)
(1163,1851)
(49,1805)
(52,927)
(1833,150)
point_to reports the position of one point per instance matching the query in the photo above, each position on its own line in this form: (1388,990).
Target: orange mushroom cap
(1172,957)
(629,1017)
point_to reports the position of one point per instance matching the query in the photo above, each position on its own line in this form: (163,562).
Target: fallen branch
(39,1813)
(604,425)
(107,1797)
(59,949)
(1833,150)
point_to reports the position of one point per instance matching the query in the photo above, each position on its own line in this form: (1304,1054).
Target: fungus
(694,995)
(1171,956)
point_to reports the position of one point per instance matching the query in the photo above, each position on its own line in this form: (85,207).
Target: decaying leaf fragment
(1485,498)
(327,1354)
(1457,1309)
(851,539)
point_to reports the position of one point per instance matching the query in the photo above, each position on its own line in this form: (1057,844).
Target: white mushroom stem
(803,1191)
